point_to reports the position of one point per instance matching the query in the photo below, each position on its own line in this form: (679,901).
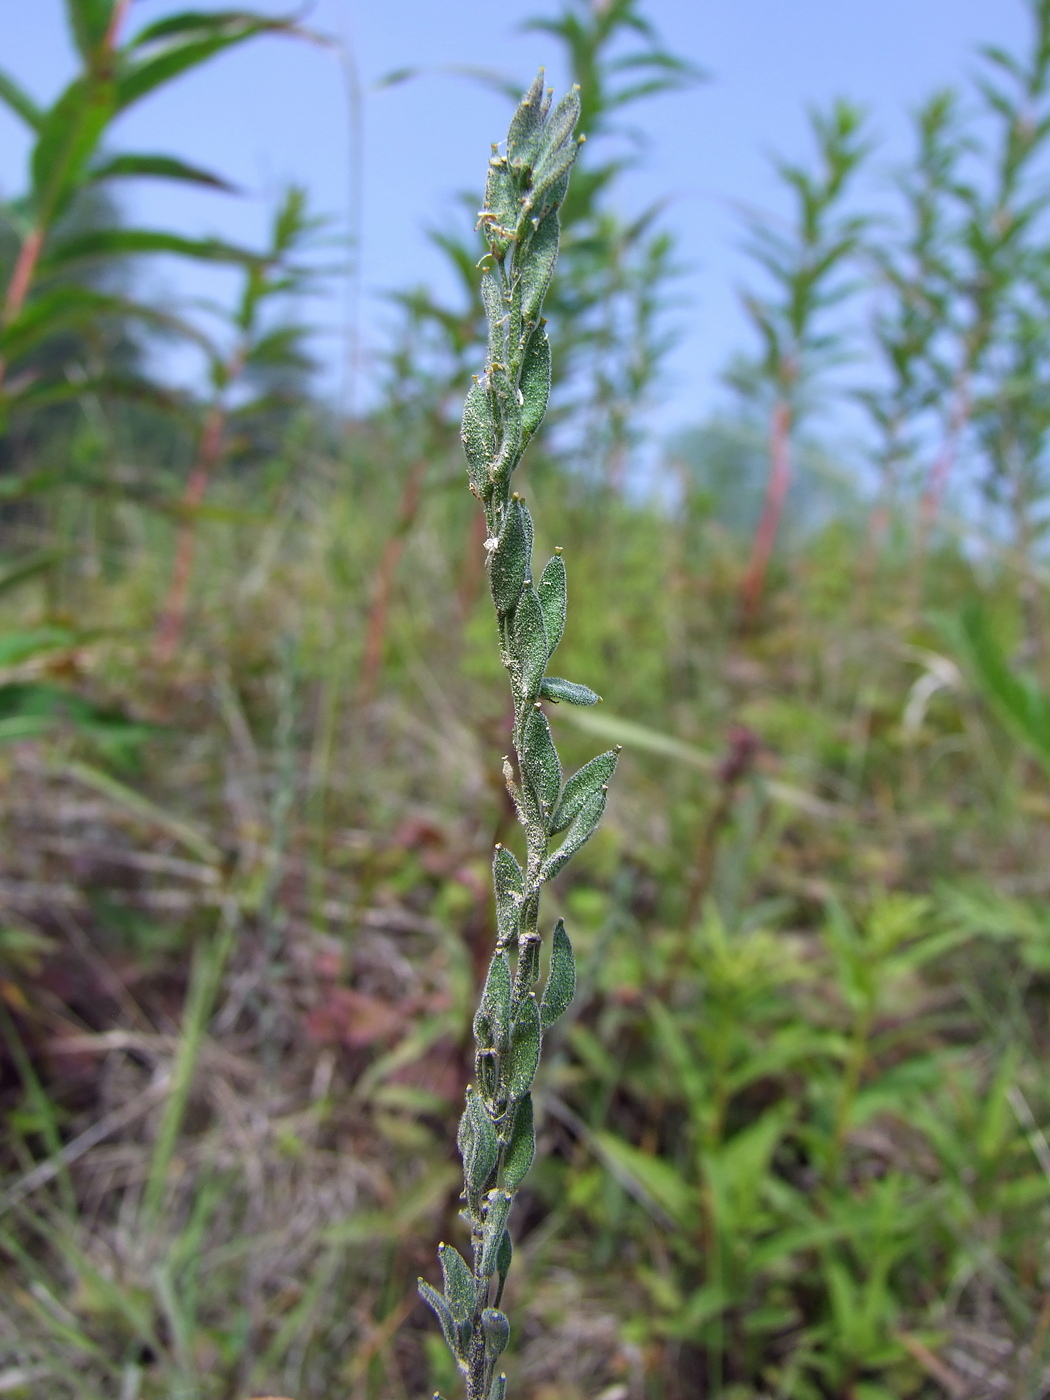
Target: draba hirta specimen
(504,407)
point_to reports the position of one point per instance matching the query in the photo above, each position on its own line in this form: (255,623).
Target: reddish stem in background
(173,617)
(379,608)
(21,280)
(765,536)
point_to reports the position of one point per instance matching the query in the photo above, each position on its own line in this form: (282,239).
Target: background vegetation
(792,1136)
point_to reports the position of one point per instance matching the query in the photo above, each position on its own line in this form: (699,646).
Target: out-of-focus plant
(525,190)
(273,355)
(44,293)
(807,265)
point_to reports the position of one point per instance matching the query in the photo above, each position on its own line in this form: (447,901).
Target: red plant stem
(173,617)
(773,508)
(21,281)
(379,608)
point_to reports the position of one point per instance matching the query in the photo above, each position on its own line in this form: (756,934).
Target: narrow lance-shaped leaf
(553,599)
(581,829)
(583,784)
(556,689)
(521,1149)
(510,560)
(535,384)
(478,435)
(539,267)
(497,1210)
(530,647)
(495,999)
(525,1040)
(561,978)
(460,1293)
(541,770)
(509,883)
(158,167)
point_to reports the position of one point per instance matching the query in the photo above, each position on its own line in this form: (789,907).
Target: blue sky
(277,111)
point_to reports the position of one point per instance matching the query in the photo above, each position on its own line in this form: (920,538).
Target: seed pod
(496,1212)
(497,1332)
(535,384)
(509,884)
(552,593)
(539,761)
(510,559)
(583,784)
(556,689)
(460,1291)
(529,644)
(582,829)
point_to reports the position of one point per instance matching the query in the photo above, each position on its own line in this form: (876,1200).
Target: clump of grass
(504,407)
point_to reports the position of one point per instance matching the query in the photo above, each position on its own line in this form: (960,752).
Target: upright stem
(773,508)
(173,616)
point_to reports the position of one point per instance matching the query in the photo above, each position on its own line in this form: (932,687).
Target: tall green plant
(45,294)
(504,407)
(805,266)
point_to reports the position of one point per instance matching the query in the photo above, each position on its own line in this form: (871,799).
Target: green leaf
(211,34)
(16,647)
(478,1144)
(460,1293)
(20,102)
(499,1388)
(69,134)
(583,827)
(521,1149)
(655,1180)
(158,167)
(1018,701)
(504,1257)
(529,647)
(537,270)
(509,884)
(535,384)
(496,1328)
(524,1056)
(444,1316)
(69,307)
(120,242)
(510,559)
(527,123)
(89,20)
(496,314)
(556,689)
(561,978)
(495,999)
(540,767)
(498,1208)
(553,599)
(592,778)
(478,435)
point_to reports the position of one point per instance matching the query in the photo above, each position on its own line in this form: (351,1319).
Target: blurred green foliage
(793,1133)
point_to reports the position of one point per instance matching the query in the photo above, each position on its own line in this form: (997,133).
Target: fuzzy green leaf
(561,978)
(553,599)
(502,202)
(509,884)
(478,435)
(496,1328)
(535,384)
(443,1312)
(556,689)
(540,767)
(495,999)
(460,1293)
(510,560)
(524,1057)
(582,829)
(527,123)
(538,266)
(499,1388)
(504,1256)
(583,784)
(530,648)
(496,312)
(478,1144)
(496,1212)
(521,1149)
